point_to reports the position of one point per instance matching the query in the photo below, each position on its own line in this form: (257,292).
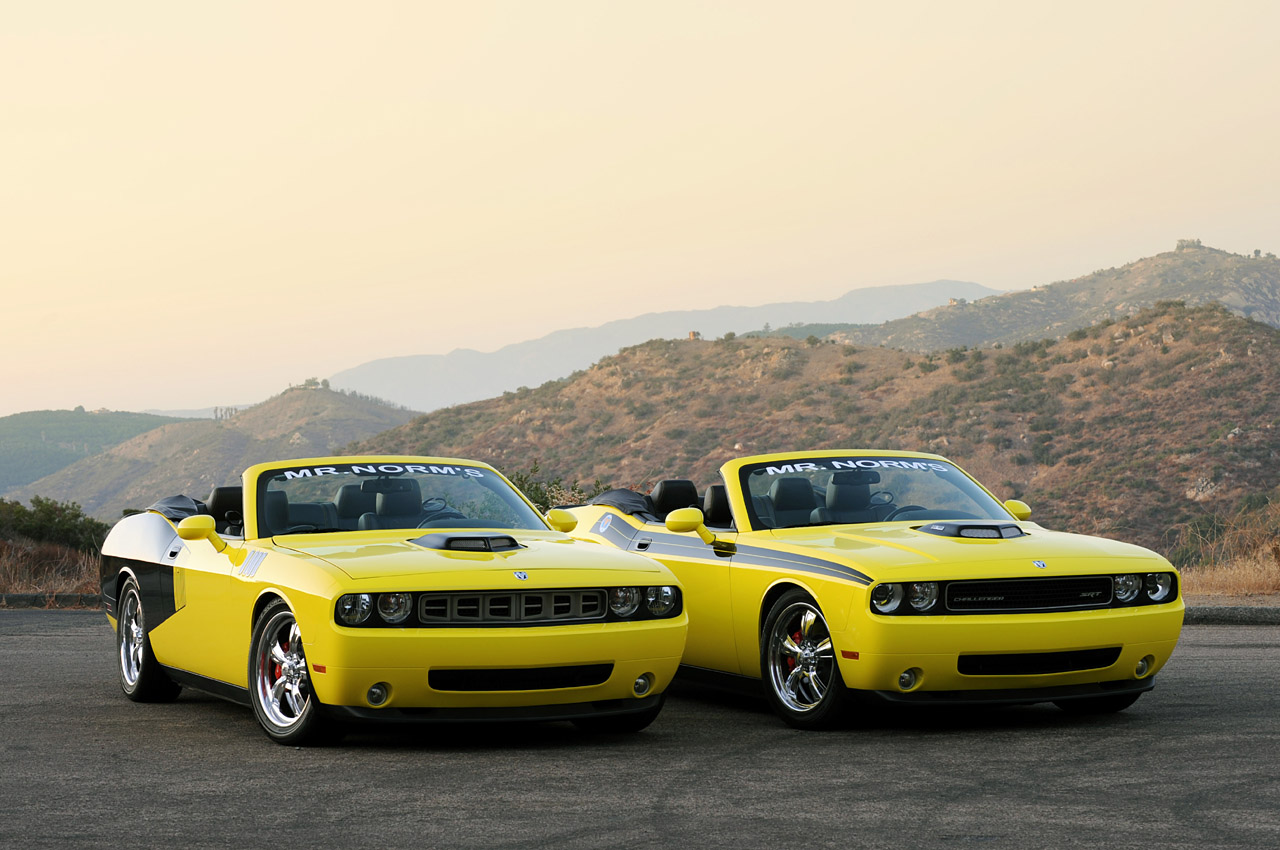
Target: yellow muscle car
(387,588)
(838,577)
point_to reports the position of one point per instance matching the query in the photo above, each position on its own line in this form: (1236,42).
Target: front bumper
(345,663)
(876,650)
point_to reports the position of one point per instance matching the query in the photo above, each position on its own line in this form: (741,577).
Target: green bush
(50,521)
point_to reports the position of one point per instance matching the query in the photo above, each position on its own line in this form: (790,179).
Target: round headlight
(395,607)
(624,601)
(922,595)
(886,598)
(355,608)
(660,600)
(1127,587)
(1158,586)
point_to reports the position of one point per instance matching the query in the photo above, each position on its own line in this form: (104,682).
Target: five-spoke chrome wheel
(279,681)
(799,663)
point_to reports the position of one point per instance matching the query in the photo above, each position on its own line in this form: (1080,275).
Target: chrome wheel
(131,637)
(798,663)
(281,684)
(141,677)
(801,661)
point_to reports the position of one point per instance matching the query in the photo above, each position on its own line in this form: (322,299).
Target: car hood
(894,546)
(548,559)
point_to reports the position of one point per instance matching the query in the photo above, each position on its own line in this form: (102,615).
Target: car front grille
(520,678)
(1029,594)
(533,606)
(1035,663)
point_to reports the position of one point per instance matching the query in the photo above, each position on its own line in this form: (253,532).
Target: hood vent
(468,542)
(974,530)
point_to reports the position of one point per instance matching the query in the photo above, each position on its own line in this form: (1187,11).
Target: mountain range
(1133,428)
(432,381)
(193,456)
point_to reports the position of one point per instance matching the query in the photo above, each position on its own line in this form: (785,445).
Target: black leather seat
(672,494)
(849,498)
(226,505)
(715,507)
(397,504)
(793,502)
(351,503)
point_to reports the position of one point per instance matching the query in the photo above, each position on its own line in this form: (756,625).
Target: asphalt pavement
(1192,764)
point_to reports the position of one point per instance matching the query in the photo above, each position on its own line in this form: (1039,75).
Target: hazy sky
(206,202)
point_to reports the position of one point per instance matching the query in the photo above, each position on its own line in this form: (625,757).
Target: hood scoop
(468,542)
(974,530)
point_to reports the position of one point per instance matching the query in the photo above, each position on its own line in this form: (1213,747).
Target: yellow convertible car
(387,588)
(844,576)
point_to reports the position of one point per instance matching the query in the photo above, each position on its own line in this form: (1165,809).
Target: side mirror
(1020,510)
(201,528)
(561,520)
(683,520)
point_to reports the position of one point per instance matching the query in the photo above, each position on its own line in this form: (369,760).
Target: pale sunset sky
(206,202)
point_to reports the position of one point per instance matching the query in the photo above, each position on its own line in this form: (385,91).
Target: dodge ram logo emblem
(522,575)
(1039,565)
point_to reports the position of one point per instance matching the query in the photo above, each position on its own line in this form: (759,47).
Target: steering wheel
(893,513)
(437,508)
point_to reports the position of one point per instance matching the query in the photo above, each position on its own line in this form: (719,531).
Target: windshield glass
(827,491)
(364,496)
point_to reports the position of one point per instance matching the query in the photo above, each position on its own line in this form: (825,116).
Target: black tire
(141,677)
(280,683)
(1098,705)
(798,664)
(621,724)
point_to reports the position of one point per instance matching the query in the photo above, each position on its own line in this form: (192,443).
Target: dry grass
(30,567)
(1254,575)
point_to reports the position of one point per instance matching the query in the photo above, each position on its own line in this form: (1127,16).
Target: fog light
(642,684)
(1144,666)
(378,694)
(908,679)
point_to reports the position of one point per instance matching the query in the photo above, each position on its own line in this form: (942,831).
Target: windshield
(364,496)
(827,491)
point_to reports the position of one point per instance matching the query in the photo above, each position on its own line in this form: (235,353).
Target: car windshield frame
(418,494)
(876,473)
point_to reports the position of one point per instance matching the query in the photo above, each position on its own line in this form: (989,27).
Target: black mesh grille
(520,678)
(536,606)
(1030,594)
(1031,663)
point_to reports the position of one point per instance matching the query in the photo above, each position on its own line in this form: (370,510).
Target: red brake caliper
(280,670)
(791,662)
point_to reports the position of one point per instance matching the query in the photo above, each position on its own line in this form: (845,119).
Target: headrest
(792,494)
(673,493)
(351,501)
(715,506)
(276,510)
(399,504)
(848,497)
(224,499)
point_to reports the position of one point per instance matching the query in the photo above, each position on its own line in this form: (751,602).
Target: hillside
(40,442)
(192,457)
(1124,429)
(1193,274)
(432,381)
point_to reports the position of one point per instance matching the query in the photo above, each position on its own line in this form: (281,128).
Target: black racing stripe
(614,533)
(675,545)
(787,560)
